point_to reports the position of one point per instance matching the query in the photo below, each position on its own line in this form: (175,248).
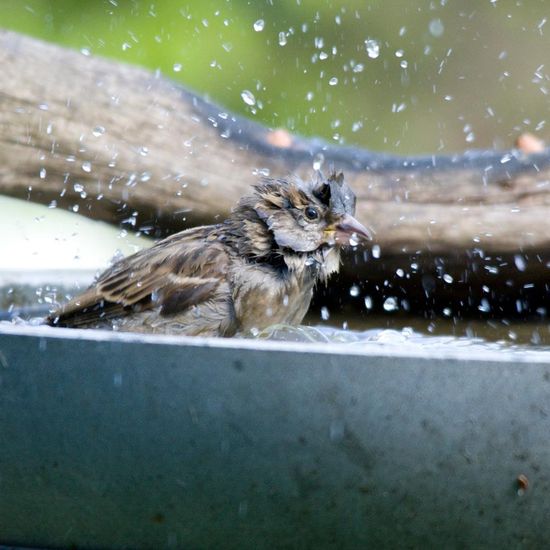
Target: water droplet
(318,161)
(87,166)
(376,251)
(373,48)
(261,172)
(368,302)
(520,262)
(42,173)
(85,51)
(143,151)
(505,158)
(484,306)
(177,67)
(248,97)
(448,278)
(325,313)
(98,131)
(282,39)
(333,81)
(354,291)
(353,239)
(259,25)
(436,27)
(391,304)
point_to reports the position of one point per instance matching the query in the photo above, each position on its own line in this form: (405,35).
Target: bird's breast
(263,297)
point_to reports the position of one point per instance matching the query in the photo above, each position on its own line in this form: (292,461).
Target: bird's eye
(311,213)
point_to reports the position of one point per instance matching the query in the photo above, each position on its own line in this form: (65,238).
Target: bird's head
(306,216)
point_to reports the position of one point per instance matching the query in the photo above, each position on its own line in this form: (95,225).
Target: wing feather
(175,274)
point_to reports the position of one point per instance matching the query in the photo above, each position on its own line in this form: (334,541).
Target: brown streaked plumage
(256,269)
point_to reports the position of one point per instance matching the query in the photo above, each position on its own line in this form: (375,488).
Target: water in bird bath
(346,328)
(507,332)
(414,331)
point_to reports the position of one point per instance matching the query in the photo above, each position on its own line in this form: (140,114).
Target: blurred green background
(398,76)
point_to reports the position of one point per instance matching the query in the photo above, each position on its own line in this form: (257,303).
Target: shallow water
(352,328)
(405,338)
(533,332)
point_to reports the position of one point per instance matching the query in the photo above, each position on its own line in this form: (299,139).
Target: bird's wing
(173,275)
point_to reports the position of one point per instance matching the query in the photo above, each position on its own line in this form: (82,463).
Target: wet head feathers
(331,192)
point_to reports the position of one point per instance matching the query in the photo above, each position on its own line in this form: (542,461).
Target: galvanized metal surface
(120,441)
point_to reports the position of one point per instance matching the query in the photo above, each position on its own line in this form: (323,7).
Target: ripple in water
(405,338)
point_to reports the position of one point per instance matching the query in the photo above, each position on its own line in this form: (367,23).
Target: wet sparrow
(255,269)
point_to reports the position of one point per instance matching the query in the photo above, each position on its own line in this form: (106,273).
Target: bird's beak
(348,226)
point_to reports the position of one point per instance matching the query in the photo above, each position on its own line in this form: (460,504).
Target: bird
(256,269)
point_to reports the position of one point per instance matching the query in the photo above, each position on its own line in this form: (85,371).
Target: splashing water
(248,97)
(404,339)
(353,239)
(373,48)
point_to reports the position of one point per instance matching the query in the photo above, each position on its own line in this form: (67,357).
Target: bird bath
(120,440)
